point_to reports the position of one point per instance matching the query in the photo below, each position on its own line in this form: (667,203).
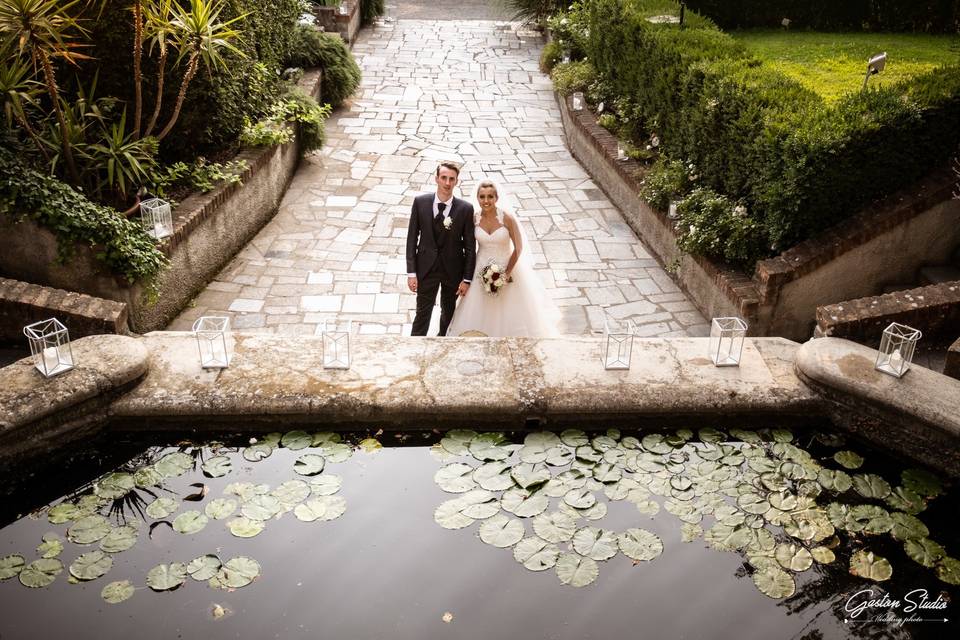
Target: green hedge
(931,16)
(370,9)
(119,243)
(314,48)
(759,138)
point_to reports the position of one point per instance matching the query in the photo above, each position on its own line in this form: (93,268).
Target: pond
(684,533)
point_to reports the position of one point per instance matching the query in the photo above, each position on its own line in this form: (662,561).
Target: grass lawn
(832,64)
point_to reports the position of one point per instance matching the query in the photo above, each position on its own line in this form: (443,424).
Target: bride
(521,307)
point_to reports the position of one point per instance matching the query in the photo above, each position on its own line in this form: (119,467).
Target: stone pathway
(464,90)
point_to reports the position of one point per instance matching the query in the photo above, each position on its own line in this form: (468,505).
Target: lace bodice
(494,246)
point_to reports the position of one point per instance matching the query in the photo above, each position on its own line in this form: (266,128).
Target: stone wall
(333,21)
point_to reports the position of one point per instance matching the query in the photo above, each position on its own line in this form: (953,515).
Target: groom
(441,252)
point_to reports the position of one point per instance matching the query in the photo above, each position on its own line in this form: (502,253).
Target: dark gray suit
(442,258)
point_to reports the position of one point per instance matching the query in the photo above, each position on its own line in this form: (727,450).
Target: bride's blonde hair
(487,184)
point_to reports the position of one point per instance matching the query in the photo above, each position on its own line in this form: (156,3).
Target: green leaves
(640,545)
(165,577)
(10,566)
(575,570)
(117,592)
(40,573)
(91,566)
(865,564)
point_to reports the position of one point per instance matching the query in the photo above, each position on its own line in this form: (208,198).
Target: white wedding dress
(521,308)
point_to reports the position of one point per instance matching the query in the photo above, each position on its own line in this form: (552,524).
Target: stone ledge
(22,303)
(402,382)
(918,414)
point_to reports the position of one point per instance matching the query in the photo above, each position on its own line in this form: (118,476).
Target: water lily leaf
(455,478)
(51,547)
(238,572)
(481,509)
(848,459)
(291,493)
(922,482)
(588,455)
(865,564)
(296,440)
(948,570)
(640,544)
(117,592)
(440,454)
(907,527)
(836,481)
(575,570)
(647,507)
(906,500)
(91,566)
(744,435)
(63,512)
(261,508)
(325,438)
(40,573)
(458,441)
(88,529)
(536,445)
(217,467)
(165,577)
(536,554)
(309,464)
(120,539)
(257,452)
(369,445)
(528,475)
(189,522)
(793,557)
(574,438)
(243,527)
(272,439)
(220,508)
(449,515)
(690,532)
(603,443)
(147,476)
(870,485)
(162,507)
(774,481)
(726,538)
(174,464)
(501,531)
(333,506)
(555,526)
(822,555)
(559,456)
(114,486)
(607,473)
(337,452)
(487,446)
(11,566)
(753,503)
(784,500)
(564,482)
(581,498)
(868,518)
(325,485)
(774,582)
(494,476)
(310,510)
(523,502)
(595,543)
(924,551)
(204,567)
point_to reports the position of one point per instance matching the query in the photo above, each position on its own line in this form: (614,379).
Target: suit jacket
(458,252)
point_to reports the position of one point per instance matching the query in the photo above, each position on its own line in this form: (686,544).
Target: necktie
(440,207)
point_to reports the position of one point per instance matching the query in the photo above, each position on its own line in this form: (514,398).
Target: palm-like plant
(122,159)
(18,88)
(137,59)
(159,30)
(43,29)
(199,35)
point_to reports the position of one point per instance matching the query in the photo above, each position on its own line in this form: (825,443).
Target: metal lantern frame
(897,346)
(211,333)
(156,217)
(577,101)
(336,346)
(726,341)
(50,347)
(618,344)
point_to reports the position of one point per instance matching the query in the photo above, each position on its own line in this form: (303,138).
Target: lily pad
(161,508)
(51,547)
(836,481)
(536,445)
(922,482)
(455,478)
(907,527)
(217,467)
(753,503)
(190,522)
(906,500)
(174,464)
(494,476)
(559,456)
(536,554)
(114,486)
(91,566)
(458,441)
(245,527)
(727,538)
(793,557)
(204,567)
(325,438)
(574,438)
(117,592)
(257,452)
(528,475)
(291,493)
(848,459)
(337,452)
(488,446)
(865,564)
(581,498)
(595,543)
(40,573)
(948,570)
(501,531)
(822,555)
(369,445)
(238,572)
(575,570)
(325,485)
(334,506)
(924,551)
(640,544)
(165,577)
(607,473)
(88,529)
(296,440)
(523,502)
(147,476)
(63,512)
(309,464)
(875,520)
(555,526)
(11,566)
(120,539)
(774,582)
(870,485)
(220,508)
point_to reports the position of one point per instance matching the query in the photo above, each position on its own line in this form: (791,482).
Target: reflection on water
(348,545)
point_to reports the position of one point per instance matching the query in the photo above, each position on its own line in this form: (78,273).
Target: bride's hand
(509,277)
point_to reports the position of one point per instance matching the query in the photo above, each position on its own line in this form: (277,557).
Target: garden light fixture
(896,349)
(874,66)
(50,347)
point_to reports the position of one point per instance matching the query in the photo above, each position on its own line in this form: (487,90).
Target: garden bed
(346,24)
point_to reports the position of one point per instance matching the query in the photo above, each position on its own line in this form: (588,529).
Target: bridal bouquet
(493,278)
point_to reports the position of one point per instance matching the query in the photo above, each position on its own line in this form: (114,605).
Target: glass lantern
(577,101)
(336,345)
(156,218)
(50,346)
(344,9)
(619,343)
(726,341)
(566,56)
(211,333)
(896,349)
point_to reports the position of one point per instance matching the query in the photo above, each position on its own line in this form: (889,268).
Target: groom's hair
(448,165)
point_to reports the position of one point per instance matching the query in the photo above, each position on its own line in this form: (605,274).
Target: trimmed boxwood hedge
(758,137)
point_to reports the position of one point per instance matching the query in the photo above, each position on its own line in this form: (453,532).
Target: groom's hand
(462,289)
(412,284)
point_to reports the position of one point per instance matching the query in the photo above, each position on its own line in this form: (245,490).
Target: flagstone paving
(463,90)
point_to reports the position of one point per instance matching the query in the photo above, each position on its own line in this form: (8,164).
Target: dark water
(385,569)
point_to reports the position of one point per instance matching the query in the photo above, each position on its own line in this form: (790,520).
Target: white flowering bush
(710,224)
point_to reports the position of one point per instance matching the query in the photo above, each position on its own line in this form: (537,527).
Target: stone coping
(408,382)
(918,413)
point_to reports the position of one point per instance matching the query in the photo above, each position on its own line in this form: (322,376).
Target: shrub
(710,224)
(370,9)
(294,107)
(552,54)
(314,48)
(569,77)
(534,10)
(666,181)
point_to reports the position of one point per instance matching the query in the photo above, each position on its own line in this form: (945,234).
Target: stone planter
(332,21)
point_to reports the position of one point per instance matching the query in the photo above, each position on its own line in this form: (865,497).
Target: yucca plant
(120,160)
(158,30)
(17,89)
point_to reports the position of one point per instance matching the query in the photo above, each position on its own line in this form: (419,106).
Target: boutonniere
(447,223)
